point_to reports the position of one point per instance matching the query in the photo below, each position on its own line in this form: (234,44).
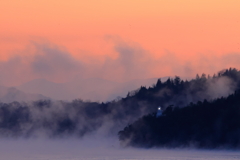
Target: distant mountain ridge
(10,94)
(94,89)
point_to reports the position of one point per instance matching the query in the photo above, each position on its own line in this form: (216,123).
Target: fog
(95,148)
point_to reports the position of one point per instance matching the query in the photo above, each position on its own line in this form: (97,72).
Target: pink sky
(116,40)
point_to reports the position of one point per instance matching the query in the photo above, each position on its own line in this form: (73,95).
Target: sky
(118,40)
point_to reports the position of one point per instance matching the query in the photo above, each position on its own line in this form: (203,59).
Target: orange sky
(187,28)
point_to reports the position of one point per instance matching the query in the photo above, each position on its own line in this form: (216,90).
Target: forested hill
(78,118)
(179,93)
(214,124)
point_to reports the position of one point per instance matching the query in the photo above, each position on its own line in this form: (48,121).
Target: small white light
(159,108)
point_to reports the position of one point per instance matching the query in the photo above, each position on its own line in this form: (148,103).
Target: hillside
(206,124)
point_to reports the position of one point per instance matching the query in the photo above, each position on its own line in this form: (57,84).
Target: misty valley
(202,113)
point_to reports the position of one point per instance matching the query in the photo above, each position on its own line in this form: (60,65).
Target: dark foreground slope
(205,124)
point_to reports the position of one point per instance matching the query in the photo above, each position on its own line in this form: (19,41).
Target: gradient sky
(116,40)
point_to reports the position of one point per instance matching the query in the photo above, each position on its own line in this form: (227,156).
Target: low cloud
(41,61)
(133,62)
(48,61)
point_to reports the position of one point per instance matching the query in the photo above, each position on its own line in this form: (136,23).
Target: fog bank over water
(99,149)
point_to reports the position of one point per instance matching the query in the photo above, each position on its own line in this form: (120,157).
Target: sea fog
(95,148)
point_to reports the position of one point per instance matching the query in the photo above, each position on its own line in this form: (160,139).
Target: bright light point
(159,108)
